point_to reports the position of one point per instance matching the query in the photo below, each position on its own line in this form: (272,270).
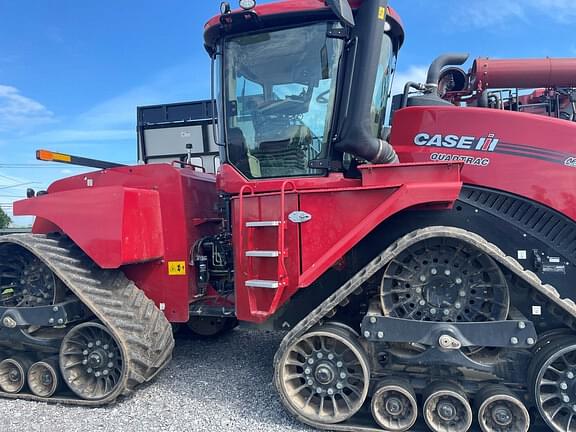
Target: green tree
(4,219)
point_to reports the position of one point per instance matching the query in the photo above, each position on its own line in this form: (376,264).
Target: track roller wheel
(324,376)
(13,374)
(44,378)
(394,406)
(552,375)
(208,327)
(500,410)
(447,409)
(91,361)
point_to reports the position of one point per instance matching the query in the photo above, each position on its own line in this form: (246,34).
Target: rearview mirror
(343,11)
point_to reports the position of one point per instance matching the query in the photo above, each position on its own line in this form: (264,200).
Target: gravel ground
(218,385)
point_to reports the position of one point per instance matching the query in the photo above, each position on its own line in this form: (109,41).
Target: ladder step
(263,254)
(258,224)
(257,283)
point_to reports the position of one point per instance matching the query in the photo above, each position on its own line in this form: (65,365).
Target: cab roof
(288,12)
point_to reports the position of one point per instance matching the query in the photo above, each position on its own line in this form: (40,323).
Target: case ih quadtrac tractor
(423,275)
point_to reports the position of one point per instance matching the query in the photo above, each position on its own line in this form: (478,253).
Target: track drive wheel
(552,375)
(25,281)
(208,327)
(91,361)
(324,376)
(443,279)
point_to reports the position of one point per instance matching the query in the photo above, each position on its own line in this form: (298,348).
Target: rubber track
(567,306)
(143,332)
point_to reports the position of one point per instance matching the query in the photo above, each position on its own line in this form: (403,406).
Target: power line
(18,185)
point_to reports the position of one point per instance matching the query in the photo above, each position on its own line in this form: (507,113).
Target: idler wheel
(324,376)
(394,406)
(447,409)
(91,361)
(13,374)
(44,378)
(500,410)
(552,375)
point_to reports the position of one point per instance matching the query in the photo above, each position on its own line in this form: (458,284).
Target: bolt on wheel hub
(502,415)
(394,406)
(324,374)
(14,375)
(446,411)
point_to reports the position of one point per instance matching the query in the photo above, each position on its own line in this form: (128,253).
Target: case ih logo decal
(486,144)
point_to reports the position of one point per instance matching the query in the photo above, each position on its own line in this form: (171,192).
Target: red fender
(114,225)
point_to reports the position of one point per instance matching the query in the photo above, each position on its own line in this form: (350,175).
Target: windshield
(279,90)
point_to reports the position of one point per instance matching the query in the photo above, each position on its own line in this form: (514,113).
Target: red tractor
(423,276)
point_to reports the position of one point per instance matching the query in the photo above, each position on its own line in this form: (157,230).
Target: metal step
(259,224)
(263,254)
(258,283)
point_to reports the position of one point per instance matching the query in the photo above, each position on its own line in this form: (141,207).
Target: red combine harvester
(423,276)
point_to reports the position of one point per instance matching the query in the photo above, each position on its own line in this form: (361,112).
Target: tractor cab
(299,86)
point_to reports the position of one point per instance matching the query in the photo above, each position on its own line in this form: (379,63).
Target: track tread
(142,330)
(567,306)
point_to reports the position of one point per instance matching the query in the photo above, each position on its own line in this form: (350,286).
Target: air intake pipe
(523,73)
(449,59)
(357,137)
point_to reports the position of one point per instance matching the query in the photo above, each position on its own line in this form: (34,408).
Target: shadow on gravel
(233,374)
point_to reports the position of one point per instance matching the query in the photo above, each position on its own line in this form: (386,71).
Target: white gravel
(218,385)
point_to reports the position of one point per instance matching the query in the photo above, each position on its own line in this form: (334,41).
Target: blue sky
(72,72)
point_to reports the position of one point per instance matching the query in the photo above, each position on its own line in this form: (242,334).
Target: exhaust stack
(357,137)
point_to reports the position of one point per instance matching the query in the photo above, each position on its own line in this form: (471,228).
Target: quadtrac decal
(486,146)
(483,144)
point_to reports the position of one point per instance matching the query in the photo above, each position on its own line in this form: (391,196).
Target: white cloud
(18,111)
(413,73)
(84,135)
(171,85)
(497,13)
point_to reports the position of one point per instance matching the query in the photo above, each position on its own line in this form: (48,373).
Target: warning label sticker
(176,268)
(382,13)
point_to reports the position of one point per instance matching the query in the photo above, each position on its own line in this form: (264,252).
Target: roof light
(247,4)
(225,8)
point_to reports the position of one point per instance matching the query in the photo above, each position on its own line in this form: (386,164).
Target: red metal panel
(107,222)
(529,155)
(341,217)
(296,6)
(334,214)
(231,181)
(183,211)
(263,208)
